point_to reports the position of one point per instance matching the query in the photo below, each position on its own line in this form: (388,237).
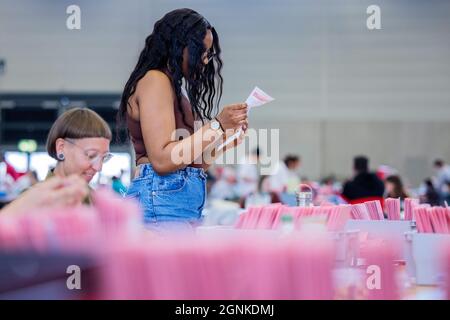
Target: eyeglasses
(92,155)
(209,56)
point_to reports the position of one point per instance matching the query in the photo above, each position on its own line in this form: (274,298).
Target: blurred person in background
(447,194)
(364,185)
(328,185)
(79,142)
(10,170)
(262,196)
(117,185)
(225,184)
(286,177)
(13,183)
(329,192)
(211,179)
(431,195)
(247,173)
(442,176)
(26,181)
(394,187)
(6,182)
(385,171)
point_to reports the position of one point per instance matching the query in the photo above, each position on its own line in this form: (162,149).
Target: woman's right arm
(52,193)
(155,99)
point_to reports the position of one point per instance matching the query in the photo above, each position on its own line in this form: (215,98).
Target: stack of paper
(270,216)
(423,221)
(80,228)
(392,208)
(359,212)
(375,210)
(242,267)
(410,203)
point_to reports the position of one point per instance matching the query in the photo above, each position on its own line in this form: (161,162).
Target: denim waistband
(147,169)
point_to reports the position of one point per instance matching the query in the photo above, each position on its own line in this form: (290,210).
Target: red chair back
(362,200)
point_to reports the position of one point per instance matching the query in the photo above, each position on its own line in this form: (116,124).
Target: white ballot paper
(255,99)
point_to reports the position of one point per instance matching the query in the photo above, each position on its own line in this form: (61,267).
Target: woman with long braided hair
(168,105)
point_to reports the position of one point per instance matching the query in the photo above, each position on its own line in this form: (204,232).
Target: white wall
(340,89)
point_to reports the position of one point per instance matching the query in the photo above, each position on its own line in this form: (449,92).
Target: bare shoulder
(154,91)
(154,79)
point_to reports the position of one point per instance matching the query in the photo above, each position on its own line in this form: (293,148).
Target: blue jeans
(174,200)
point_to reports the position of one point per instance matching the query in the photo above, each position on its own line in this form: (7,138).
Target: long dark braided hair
(164,50)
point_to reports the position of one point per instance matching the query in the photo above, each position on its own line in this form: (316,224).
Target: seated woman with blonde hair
(79,140)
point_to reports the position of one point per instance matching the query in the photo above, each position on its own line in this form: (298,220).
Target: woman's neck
(59,171)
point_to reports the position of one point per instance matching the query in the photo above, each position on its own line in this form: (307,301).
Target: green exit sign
(27,145)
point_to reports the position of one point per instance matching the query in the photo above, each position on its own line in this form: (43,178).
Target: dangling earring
(60,156)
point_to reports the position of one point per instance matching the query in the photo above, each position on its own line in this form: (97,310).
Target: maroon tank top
(135,131)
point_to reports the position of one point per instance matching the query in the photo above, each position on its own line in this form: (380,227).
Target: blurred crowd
(244,185)
(241,185)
